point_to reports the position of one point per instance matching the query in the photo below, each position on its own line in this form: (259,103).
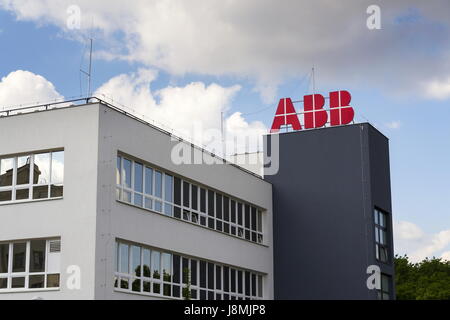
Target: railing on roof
(12,111)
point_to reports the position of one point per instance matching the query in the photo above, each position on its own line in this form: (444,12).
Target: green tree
(426,280)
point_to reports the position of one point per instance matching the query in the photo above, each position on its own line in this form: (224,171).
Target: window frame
(184,211)
(10,275)
(14,187)
(379,231)
(208,290)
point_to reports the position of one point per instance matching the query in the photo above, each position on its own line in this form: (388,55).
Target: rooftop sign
(315,116)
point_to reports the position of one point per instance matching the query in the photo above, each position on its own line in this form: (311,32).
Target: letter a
(286,115)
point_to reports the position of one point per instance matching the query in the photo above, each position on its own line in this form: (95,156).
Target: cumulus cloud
(438,89)
(267,40)
(446,256)
(411,240)
(25,88)
(193,112)
(394,125)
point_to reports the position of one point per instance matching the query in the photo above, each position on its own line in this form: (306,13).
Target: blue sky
(389,73)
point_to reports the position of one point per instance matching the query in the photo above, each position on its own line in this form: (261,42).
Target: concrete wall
(324,195)
(116,220)
(72,218)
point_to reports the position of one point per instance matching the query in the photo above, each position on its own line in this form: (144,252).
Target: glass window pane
(247,216)
(18,283)
(23,194)
(147,263)
(19,257)
(253,224)
(4,254)
(383,220)
(149,181)
(23,171)
(158,184)
(6,172)
(156,265)
(168,188)
(138,200)
(260,286)
(37,256)
(36,282)
(148,204)
(194,272)
(136,261)
(219,206)
(53,281)
(203,274)
(211,276)
(176,269)
(126,174)
(166,260)
(124,258)
(260,221)
(186,194)
(41,168)
(218,277)
(210,203)
(233,211)
(40,192)
(138,177)
(5,196)
(203,200)
(119,171)
(58,167)
(226,209)
(376,217)
(240,282)
(3,283)
(240,220)
(177,189)
(194,197)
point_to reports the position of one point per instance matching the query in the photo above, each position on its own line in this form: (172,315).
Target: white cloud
(438,89)
(188,111)
(266,40)
(25,88)
(411,240)
(446,256)
(394,125)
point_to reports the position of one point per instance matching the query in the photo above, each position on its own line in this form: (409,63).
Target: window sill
(10,203)
(11,291)
(192,224)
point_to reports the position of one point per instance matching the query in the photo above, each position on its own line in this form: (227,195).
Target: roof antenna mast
(89,72)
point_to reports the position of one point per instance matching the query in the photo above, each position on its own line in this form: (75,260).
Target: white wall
(72,218)
(117,220)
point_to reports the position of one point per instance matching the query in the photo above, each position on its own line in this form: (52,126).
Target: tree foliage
(426,280)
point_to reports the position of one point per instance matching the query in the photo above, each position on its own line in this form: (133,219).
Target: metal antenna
(89,72)
(314,79)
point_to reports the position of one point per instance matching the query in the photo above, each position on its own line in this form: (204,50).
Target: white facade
(89,220)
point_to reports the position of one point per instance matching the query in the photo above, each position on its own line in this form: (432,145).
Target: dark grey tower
(332,187)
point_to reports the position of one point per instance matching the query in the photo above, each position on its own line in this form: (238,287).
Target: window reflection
(37,256)
(42,168)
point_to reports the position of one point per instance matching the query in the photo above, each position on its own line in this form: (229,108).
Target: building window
(32,177)
(152,189)
(385,292)
(381,236)
(149,271)
(30,265)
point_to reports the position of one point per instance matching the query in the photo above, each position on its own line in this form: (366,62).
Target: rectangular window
(382,251)
(34,176)
(160,192)
(385,292)
(32,264)
(171,274)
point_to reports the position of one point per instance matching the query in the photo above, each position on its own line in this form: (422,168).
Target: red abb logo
(315,116)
